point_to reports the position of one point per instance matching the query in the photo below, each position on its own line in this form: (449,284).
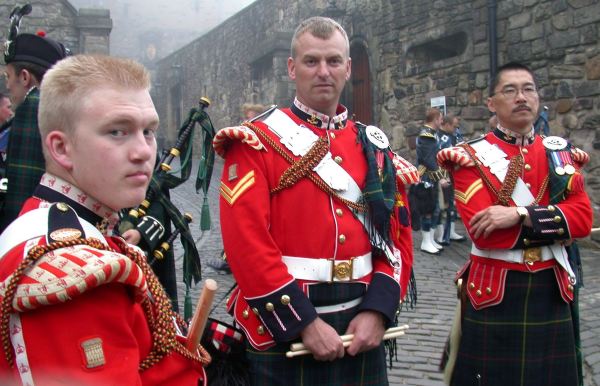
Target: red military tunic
(86,325)
(259,227)
(570,218)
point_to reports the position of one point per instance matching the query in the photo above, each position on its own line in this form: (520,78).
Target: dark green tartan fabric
(271,367)
(25,161)
(527,340)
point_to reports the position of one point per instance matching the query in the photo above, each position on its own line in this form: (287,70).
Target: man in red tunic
(523,201)
(315,226)
(79,306)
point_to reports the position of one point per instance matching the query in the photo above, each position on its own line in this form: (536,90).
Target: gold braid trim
(515,167)
(314,177)
(303,166)
(516,170)
(158,312)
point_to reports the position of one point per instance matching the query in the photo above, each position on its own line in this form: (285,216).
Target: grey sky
(151,29)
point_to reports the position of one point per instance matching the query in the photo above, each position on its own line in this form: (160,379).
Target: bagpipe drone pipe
(166,178)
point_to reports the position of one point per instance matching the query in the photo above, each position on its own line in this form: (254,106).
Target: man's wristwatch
(523,213)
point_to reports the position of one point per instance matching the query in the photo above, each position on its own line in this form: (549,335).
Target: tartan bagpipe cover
(226,345)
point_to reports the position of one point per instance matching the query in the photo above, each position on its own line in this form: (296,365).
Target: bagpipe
(164,179)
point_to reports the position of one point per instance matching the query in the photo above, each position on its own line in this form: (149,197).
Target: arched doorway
(361,105)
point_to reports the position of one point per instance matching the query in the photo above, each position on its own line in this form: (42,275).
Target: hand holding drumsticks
(297,349)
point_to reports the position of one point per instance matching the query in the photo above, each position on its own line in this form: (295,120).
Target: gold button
(471,285)
(260,330)
(570,288)
(62,207)
(285,300)
(551,208)
(342,239)
(528,185)
(245,314)
(526,241)
(561,231)
(527,167)
(478,293)
(524,150)
(557,219)
(332,135)
(255,310)
(269,307)
(339,212)
(488,291)
(338,159)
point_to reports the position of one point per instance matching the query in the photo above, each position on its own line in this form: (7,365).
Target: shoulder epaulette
(68,272)
(73,259)
(426,134)
(240,133)
(405,171)
(452,156)
(580,156)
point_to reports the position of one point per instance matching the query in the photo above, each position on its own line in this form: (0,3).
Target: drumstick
(297,349)
(349,337)
(201,314)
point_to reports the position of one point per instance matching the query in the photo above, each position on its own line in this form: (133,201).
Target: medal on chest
(558,149)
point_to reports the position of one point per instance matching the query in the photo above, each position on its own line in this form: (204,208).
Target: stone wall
(82,31)
(416,51)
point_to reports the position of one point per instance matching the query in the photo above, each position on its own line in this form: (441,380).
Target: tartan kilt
(272,367)
(526,340)
(426,198)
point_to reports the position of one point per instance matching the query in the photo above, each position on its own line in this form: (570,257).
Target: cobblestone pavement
(420,349)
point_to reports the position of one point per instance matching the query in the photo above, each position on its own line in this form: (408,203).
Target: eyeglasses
(511,92)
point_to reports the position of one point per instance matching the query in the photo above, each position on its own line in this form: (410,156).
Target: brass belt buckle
(532,255)
(343,269)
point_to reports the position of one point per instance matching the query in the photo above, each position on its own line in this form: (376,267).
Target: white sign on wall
(439,103)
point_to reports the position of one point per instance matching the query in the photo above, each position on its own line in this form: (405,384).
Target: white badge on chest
(377,137)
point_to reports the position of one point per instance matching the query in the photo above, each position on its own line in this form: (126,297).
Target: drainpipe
(492,39)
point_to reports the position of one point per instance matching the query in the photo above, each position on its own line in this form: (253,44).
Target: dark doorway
(361,105)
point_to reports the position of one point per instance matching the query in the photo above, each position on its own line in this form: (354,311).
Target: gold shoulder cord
(158,310)
(303,167)
(515,167)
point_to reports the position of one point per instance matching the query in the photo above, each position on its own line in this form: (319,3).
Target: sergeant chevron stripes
(464,197)
(231,195)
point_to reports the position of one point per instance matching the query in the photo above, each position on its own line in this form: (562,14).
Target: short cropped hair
(67,83)
(448,119)
(432,114)
(320,27)
(34,69)
(511,66)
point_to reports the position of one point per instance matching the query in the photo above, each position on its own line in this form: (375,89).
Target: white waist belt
(326,270)
(554,251)
(339,307)
(509,255)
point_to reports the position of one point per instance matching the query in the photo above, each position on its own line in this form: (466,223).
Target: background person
(27,60)
(426,192)
(446,230)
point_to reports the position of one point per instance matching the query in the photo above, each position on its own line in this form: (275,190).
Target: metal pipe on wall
(493,40)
